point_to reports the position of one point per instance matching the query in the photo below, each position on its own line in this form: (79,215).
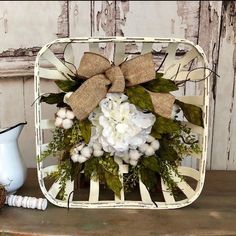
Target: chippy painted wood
(24,28)
(198,21)
(41,124)
(210,21)
(224,132)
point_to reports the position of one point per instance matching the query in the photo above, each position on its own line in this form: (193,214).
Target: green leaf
(191,112)
(151,163)
(139,97)
(163,126)
(148,177)
(167,152)
(91,168)
(53,98)
(85,128)
(113,182)
(160,85)
(67,85)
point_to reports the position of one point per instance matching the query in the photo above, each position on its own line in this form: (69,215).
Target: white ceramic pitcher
(12,167)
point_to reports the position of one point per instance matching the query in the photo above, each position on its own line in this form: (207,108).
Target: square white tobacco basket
(180,54)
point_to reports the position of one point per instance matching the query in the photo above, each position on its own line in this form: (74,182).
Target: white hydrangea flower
(119,126)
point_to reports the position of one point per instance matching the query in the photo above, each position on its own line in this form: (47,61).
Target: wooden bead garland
(26,202)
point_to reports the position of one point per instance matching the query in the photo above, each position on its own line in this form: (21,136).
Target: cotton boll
(143,147)
(98,153)
(86,152)
(58,122)
(67,124)
(149,151)
(134,155)
(97,146)
(155,145)
(75,158)
(126,159)
(62,113)
(82,158)
(150,139)
(80,147)
(70,115)
(133,162)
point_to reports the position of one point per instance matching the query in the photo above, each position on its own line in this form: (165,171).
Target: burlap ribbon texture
(101,78)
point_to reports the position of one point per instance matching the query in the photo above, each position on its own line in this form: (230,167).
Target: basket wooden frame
(146,202)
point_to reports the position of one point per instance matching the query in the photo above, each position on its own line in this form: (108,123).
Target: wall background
(27,26)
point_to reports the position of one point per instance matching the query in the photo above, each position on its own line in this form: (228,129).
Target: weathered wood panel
(210,20)
(26,26)
(224,132)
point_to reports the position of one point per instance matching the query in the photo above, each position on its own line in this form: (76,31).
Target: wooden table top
(214,213)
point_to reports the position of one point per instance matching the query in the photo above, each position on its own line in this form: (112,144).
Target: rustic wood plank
(223,146)
(210,13)
(213,213)
(28,22)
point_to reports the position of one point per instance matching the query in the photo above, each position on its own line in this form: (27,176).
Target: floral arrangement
(124,112)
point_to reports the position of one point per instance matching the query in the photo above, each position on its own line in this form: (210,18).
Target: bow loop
(92,64)
(102,77)
(115,75)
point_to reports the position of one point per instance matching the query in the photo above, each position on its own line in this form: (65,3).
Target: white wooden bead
(19,201)
(26,202)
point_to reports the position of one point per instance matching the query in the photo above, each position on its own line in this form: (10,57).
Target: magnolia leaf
(91,168)
(160,85)
(139,97)
(113,182)
(67,85)
(53,98)
(151,163)
(191,112)
(85,128)
(148,177)
(164,125)
(167,152)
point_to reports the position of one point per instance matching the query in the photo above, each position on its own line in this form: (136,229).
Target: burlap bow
(102,78)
